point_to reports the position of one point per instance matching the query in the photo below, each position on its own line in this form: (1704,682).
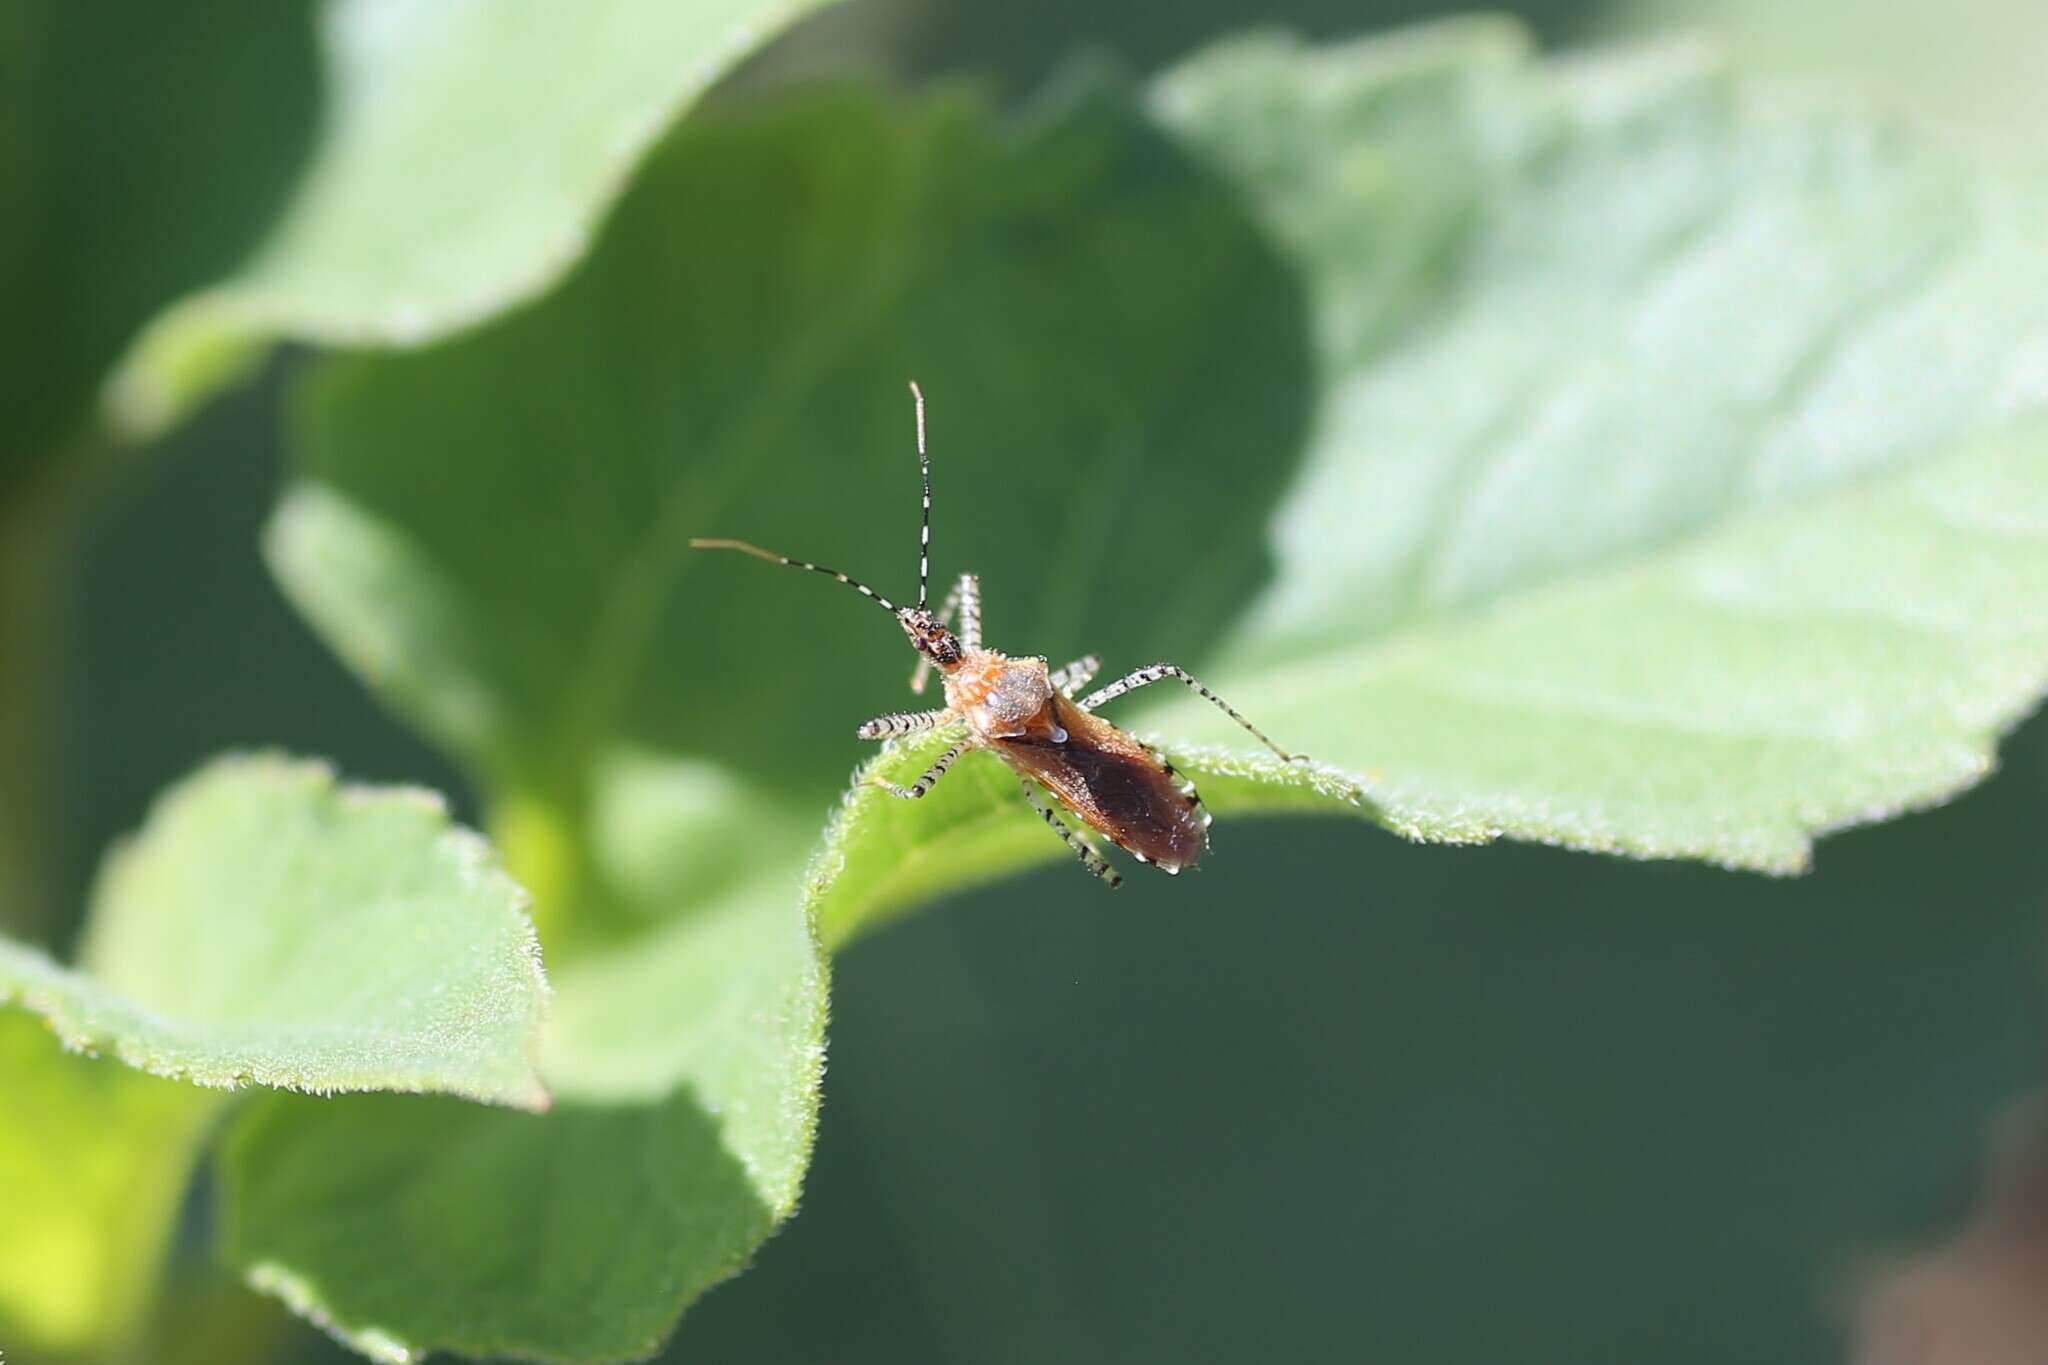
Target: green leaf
(269,927)
(94,1158)
(1728,699)
(686,1068)
(1704,507)
(883,856)
(467,154)
(1637,516)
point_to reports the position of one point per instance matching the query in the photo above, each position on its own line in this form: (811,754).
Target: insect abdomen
(1140,807)
(1115,785)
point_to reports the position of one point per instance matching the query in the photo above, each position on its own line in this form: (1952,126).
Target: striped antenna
(773,558)
(924,535)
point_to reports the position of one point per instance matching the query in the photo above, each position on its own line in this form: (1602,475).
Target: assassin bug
(1027,715)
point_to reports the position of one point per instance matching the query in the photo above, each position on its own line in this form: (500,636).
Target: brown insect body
(1027,715)
(1120,788)
(1116,785)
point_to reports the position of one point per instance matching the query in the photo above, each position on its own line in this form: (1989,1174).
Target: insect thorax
(1001,697)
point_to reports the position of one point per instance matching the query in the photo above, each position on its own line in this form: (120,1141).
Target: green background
(1436,1105)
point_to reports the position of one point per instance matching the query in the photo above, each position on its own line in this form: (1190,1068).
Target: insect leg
(966,599)
(931,775)
(1145,677)
(968,590)
(1090,859)
(903,723)
(1075,675)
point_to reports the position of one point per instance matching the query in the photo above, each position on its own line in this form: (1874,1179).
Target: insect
(1027,715)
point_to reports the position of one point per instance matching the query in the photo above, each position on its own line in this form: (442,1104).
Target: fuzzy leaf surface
(268,927)
(1700,507)
(685,1065)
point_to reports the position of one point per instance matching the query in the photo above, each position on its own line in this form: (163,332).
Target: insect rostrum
(1027,715)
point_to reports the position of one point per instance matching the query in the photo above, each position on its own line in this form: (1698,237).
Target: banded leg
(1096,864)
(900,723)
(1076,675)
(916,790)
(965,598)
(968,590)
(1145,677)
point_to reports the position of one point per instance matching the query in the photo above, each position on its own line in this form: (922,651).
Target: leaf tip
(198,347)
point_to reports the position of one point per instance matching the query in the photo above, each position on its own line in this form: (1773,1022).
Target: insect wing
(1114,784)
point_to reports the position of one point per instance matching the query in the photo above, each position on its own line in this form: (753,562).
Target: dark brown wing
(1115,784)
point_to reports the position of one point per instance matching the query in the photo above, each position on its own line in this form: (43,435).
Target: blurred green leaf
(469,149)
(269,927)
(685,1067)
(94,1158)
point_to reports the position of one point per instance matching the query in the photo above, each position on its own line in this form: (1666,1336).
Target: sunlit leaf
(1703,509)
(468,150)
(685,1068)
(268,927)
(1673,491)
